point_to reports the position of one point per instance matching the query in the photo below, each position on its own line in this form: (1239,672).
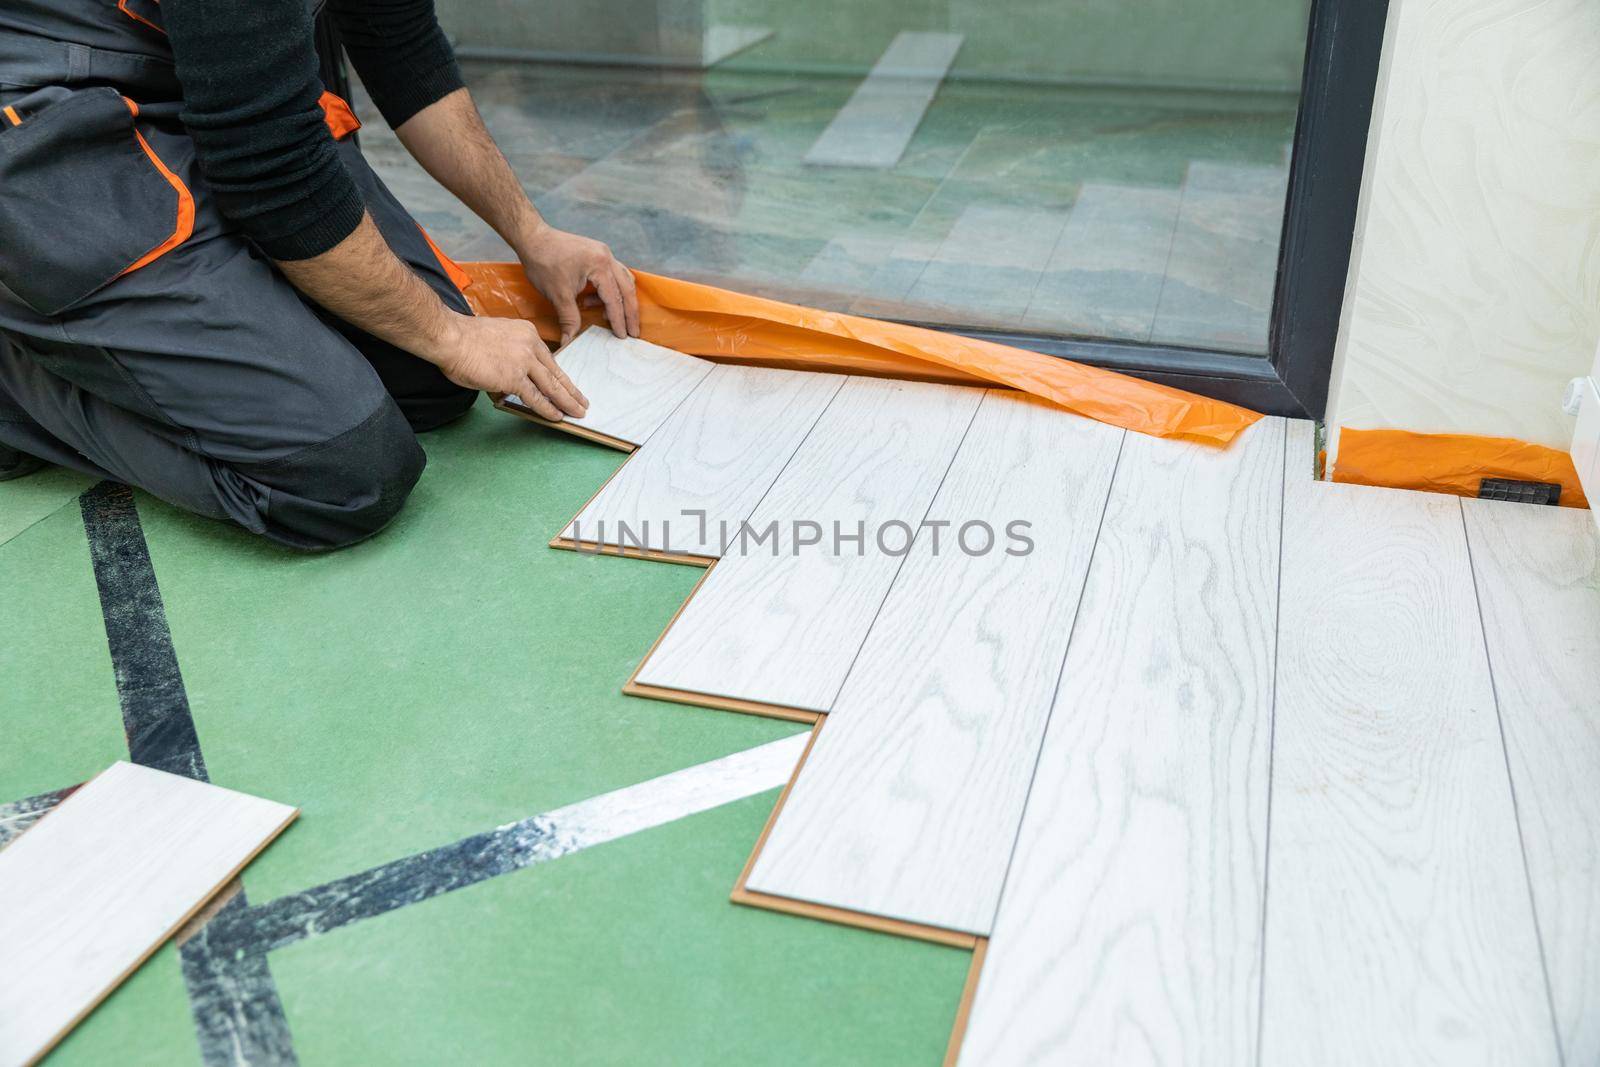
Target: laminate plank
(1538,576)
(1398,922)
(1130,925)
(778,620)
(911,795)
(875,125)
(632,385)
(99,883)
(717,454)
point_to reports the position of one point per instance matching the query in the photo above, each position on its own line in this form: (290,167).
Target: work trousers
(200,375)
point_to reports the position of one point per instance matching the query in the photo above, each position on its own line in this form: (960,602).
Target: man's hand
(450,141)
(563,265)
(506,356)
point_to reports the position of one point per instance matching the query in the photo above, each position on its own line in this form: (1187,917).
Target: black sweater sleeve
(248,69)
(400,52)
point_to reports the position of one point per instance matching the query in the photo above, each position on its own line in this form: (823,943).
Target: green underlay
(449,676)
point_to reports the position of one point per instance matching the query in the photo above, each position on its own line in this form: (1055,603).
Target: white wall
(1474,290)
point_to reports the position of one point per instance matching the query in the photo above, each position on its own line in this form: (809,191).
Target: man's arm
(408,66)
(363,282)
(451,142)
(249,74)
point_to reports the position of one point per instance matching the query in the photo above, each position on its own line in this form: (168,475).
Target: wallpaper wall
(1474,292)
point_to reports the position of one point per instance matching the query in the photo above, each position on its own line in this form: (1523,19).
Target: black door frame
(1343,47)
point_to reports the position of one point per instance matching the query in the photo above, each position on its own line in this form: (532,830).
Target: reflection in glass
(1094,168)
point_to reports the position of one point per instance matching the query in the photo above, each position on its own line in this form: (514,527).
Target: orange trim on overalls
(11,113)
(342,121)
(122,6)
(185,221)
(458,277)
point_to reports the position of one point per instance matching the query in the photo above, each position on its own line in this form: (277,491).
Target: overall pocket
(83,198)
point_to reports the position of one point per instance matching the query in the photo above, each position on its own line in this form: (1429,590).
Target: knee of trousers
(343,490)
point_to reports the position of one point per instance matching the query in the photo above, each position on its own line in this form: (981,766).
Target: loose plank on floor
(99,883)
(1129,929)
(1538,574)
(875,125)
(911,796)
(716,454)
(779,622)
(1398,923)
(632,385)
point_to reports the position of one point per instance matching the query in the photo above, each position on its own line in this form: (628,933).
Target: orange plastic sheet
(722,325)
(1450,462)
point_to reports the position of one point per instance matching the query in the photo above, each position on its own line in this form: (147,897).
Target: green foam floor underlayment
(450,676)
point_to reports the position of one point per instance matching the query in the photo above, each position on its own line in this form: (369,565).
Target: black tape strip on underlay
(392,885)
(21,814)
(237,1013)
(238,1018)
(155,709)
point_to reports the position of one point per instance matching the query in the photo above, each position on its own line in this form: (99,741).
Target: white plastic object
(1572,399)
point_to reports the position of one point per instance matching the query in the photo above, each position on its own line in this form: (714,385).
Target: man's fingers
(630,297)
(538,403)
(567,315)
(605,283)
(561,377)
(554,390)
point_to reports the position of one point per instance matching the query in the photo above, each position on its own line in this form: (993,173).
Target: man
(206,292)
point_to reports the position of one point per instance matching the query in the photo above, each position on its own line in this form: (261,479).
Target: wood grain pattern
(512,406)
(1130,926)
(911,797)
(717,454)
(1398,921)
(778,622)
(1538,576)
(97,885)
(632,385)
(742,894)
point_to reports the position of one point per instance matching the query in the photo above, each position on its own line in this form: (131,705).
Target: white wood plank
(632,385)
(718,453)
(1398,923)
(875,125)
(1130,926)
(913,790)
(99,883)
(780,622)
(1538,575)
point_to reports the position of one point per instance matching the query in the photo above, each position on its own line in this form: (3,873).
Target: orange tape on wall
(1450,463)
(718,324)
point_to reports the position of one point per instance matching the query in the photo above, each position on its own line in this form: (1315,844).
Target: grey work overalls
(142,338)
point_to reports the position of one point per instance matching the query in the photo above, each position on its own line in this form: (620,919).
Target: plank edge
(157,943)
